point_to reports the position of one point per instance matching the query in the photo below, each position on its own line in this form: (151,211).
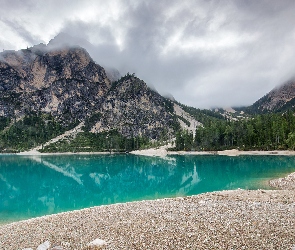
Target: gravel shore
(287,182)
(239,219)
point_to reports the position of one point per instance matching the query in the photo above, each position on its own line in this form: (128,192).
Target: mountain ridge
(48,90)
(279,99)
(63,87)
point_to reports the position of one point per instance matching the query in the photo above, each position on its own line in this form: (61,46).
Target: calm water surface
(32,186)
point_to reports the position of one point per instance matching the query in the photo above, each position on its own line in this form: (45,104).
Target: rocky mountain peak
(280,98)
(52,81)
(134,109)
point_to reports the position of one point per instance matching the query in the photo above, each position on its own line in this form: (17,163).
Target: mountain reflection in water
(32,186)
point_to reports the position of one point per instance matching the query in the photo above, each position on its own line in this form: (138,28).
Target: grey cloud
(86,31)
(205,53)
(21,31)
(13,5)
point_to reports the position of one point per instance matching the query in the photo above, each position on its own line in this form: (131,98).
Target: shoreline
(163,152)
(239,219)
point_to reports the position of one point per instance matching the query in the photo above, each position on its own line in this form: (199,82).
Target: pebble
(287,182)
(57,248)
(44,246)
(96,244)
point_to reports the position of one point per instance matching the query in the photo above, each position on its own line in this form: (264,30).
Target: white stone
(97,243)
(44,246)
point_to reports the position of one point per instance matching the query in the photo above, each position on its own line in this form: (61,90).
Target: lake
(32,186)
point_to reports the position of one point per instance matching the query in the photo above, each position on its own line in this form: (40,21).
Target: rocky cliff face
(70,86)
(65,82)
(134,109)
(279,99)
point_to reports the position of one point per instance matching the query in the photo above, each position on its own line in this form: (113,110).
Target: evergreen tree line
(31,131)
(204,116)
(38,128)
(110,141)
(4,122)
(262,132)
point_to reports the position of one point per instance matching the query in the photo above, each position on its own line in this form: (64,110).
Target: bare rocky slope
(66,83)
(134,109)
(279,99)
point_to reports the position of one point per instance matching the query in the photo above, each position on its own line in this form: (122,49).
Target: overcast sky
(205,53)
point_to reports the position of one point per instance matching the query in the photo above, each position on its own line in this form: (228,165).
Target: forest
(275,131)
(110,141)
(38,128)
(31,131)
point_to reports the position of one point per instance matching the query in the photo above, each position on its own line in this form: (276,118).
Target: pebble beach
(239,219)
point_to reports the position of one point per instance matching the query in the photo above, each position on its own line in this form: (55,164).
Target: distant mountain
(279,99)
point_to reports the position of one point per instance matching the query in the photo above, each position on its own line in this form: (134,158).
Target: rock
(44,246)
(57,248)
(66,244)
(96,244)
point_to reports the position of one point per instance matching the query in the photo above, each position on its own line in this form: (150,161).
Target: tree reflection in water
(32,186)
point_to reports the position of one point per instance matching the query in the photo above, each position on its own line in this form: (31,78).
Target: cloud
(20,31)
(205,53)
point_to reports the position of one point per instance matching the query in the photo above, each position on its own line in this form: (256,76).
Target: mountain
(66,83)
(134,109)
(56,98)
(46,90)
(65,40)
(279,99)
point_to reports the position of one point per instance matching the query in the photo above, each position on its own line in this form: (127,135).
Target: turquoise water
(33,186)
